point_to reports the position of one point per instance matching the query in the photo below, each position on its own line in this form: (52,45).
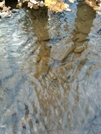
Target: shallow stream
(50,72)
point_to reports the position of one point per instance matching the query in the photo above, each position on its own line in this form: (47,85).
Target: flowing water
(50,72)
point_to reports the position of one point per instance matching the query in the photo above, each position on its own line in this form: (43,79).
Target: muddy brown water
(50,72)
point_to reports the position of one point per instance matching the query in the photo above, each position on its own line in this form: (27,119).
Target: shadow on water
(39,24)
(83,24)
(38,67)
(48,72)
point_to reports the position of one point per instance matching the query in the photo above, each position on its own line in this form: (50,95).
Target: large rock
(62,49)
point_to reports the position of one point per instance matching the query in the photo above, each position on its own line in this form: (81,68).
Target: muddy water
(50,72)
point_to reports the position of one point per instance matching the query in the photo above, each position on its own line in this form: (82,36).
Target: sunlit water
(50,72)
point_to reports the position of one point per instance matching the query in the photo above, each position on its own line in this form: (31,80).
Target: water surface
(50,72)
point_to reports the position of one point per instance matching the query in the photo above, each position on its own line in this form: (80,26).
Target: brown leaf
(56,6)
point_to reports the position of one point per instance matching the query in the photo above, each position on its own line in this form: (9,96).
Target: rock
(30,5)
(34,1)
(68,66)
(79,49)
(41,69)
(68,41)
(35,6)
(19,5)
(50,62)
(5,9)
(78,44)
(5,14)
(47,60)
(81,37)
(2,4)
(62,50)
(76,55)
(41,3)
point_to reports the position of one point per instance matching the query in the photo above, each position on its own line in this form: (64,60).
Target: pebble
(79,49)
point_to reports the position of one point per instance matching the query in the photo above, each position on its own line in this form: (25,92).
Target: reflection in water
(50,72)
(40,52)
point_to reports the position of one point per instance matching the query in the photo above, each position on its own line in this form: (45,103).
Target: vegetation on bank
(53,5)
